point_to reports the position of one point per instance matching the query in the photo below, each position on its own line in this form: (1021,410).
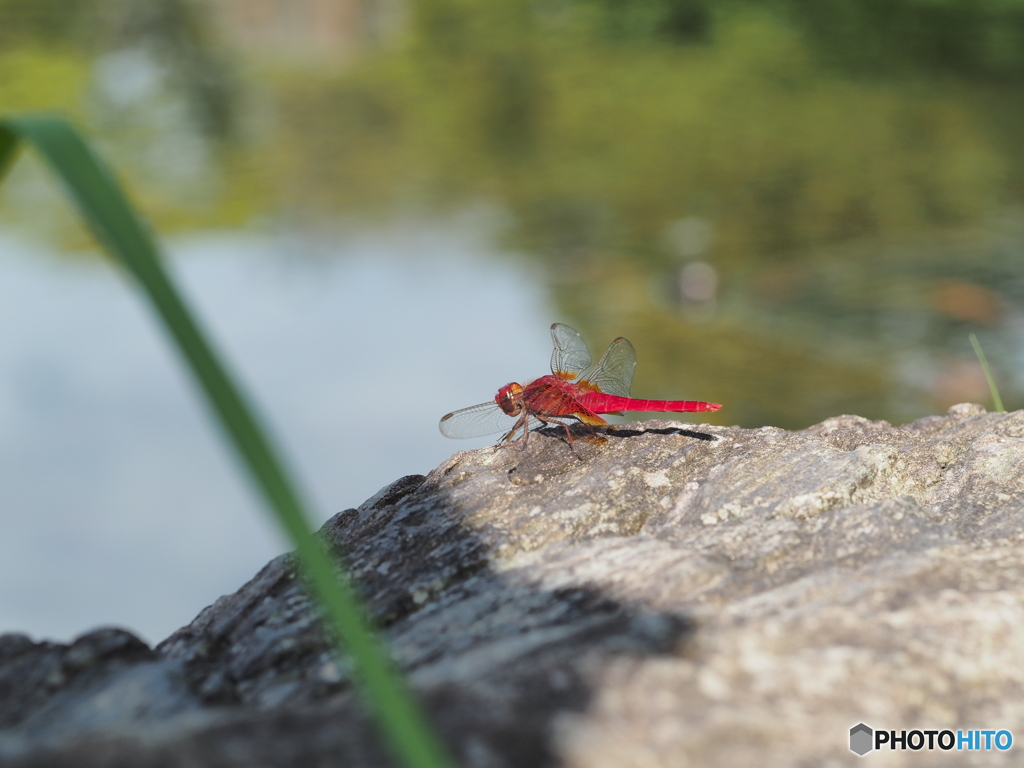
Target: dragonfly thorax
(510,399)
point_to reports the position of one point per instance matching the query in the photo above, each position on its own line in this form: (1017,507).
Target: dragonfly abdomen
(599,402)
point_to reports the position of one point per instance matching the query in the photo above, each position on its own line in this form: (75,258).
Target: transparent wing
(477,421)
(613,374)
(571,355)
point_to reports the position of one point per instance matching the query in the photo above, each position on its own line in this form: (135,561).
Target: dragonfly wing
(613,374)
(571,355)
(477,421)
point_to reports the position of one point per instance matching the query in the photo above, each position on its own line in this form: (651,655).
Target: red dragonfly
(575,389)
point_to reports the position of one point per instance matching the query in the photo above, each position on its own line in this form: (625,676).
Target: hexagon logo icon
(861,738)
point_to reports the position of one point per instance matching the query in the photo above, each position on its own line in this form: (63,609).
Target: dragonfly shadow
(583,431)
(629,431)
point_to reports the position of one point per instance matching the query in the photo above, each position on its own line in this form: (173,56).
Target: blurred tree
(973,38)
(670,21)
(49,21)
(179,34)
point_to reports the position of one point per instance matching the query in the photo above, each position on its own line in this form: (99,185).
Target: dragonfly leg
(523,424)
(568,433)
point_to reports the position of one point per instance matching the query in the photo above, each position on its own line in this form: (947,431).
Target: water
(120,502)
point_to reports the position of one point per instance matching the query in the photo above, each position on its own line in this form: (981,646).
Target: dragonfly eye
(509,399)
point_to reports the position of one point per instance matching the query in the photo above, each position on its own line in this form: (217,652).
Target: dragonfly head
(510,399)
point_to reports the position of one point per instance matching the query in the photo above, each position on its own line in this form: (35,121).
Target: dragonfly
(574,390)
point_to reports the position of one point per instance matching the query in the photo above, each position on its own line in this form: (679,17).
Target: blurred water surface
(794,209)
(120,503)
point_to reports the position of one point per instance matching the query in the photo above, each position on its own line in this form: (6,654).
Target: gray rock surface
(676,595)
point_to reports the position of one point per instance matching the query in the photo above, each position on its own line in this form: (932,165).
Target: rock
(675,595)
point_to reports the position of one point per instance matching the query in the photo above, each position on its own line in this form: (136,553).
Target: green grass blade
(105,208)
(997,401)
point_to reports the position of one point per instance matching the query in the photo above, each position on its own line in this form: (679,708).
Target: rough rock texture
(676,595)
